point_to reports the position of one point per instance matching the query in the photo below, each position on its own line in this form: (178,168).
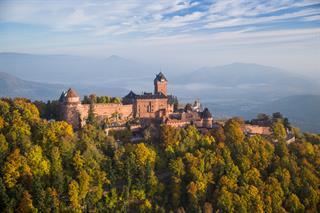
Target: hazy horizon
(169,34)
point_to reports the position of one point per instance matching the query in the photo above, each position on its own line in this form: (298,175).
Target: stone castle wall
(106,110)
(255,129)
(76,114)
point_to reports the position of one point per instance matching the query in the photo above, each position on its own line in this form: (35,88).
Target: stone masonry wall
(106,110)
(77,114)
(71,114)
(142,105)
(161,87)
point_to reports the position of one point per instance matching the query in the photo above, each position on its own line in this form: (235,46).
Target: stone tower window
(149,107)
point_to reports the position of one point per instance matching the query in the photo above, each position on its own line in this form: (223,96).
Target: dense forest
(47,167)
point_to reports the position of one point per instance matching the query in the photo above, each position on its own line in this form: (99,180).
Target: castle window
(149,107)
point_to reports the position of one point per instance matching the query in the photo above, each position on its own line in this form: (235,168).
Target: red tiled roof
(71,93)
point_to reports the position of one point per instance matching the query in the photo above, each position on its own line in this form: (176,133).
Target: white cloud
(114,17)
(241,21)
(178,26)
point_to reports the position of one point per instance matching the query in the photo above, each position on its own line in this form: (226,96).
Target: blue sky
(283,33)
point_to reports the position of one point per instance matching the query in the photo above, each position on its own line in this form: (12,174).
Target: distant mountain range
(11,86)
(240,81)
(66,68)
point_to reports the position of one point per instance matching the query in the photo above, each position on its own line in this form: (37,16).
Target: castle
(157,106)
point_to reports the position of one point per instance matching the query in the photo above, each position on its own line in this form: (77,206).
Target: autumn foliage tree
(45,166)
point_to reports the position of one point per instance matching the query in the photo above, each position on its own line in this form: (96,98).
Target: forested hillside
(47,167)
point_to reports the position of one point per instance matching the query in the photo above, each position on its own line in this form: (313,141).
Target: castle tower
(160,84)
(69,103)
(196,106)
(70,97)
(207,118)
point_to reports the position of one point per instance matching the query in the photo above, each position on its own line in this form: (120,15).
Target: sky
(188,34)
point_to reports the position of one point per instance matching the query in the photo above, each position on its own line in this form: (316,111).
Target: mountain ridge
(11,86)
(69,68)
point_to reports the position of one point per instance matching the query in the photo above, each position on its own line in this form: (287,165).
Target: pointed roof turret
(63,96)
(130,95)
(71,93)
(160,77)
(206,113)
(130,98)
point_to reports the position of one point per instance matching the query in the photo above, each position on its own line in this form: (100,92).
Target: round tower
(70,103)
(71,97)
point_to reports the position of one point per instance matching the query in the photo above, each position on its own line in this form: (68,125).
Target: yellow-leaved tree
(39,164)
(25,205)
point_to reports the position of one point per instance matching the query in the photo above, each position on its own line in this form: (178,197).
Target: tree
(45,166)
(277,115)
(2,123)
(55,132)
(93,98)
(151,180)
(4,198)
(207,208)
(39,164)
(145,206)
(177,167)
(279,131)
(52,200)
(27,110)
(218,134)
(169,136)
(84,184)
(4,146)
(25,205)
(19,132)
(233,131)
(143,155)
(273,195)
(225,201)
(4,109)
(192,195)
(49,110)
(73,191)
(175,191)
(116,100)
(14,167)
(39,193)
(293,204)
(91,119)
(124,135)
(78,161)
(111,199)
(263,116)
(57,170)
